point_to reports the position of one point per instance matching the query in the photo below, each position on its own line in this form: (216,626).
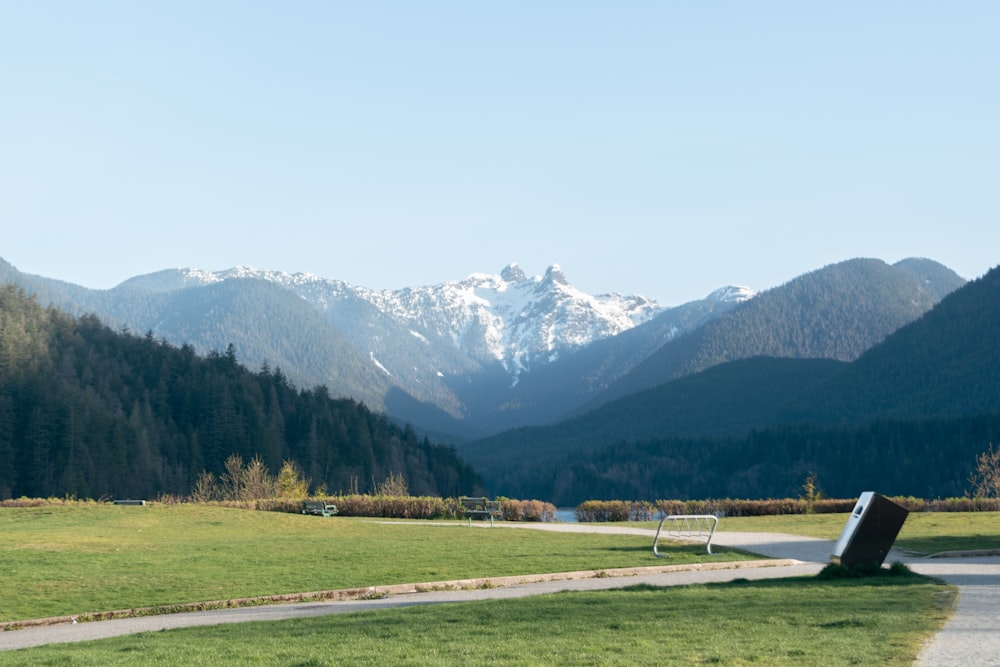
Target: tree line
(91,412)
(924,458)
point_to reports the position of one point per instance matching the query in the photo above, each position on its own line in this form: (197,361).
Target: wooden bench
(318,508)
(481,508)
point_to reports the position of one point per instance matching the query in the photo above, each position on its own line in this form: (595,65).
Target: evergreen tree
(88,411)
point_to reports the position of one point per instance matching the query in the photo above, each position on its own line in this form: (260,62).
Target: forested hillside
(922,458)
(557,389)
(723,400)
(90,412)
(906,418)
(945,364)
(837,312)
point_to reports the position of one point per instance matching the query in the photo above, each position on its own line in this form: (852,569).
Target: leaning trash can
(870,531)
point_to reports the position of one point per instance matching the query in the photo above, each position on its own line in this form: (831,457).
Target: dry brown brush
(631,510)
(527,510)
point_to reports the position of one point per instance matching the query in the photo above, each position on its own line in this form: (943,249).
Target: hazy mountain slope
(446,346)
(430,355)
(492,352)
(266,324)
(48,291)
(727,398)
(509,318)
(268,327)
(553,390)
(936,278)
(836,312)
(906,417)
(86,411)
(945,364)
(388,345)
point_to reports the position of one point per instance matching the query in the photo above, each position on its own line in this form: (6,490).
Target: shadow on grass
(924,546)
(834,575)
(676,548)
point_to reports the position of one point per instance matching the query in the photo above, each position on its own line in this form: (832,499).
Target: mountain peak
(732,294)
(554,274)
(513,273)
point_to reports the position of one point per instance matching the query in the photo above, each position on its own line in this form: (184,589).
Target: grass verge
(923,533)
(801,622)
(71,560)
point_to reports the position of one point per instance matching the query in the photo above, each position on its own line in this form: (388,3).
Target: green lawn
(923,533)
(77,559)
(86,557)
(794,622)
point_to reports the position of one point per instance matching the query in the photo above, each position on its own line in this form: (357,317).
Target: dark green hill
(556,390)
(836,312)
(906,418)
(266,322)
(726,399)
(921,458)
(420,376)
(936,278)
(90,412)
(945,364)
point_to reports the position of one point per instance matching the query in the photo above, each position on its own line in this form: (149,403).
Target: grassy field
(65,560)
(923,533)
(88,558)
(798,622)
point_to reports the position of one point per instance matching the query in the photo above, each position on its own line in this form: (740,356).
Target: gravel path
(972,636)
(970,639)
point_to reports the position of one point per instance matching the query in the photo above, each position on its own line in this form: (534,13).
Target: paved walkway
(970,639)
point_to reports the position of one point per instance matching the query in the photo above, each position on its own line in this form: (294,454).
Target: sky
(657,148)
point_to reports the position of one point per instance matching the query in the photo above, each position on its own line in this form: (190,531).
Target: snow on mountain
(508,318)
(514,319)
(732,294)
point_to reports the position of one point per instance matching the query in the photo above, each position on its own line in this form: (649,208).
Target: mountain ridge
(87,411)
(449,357)
(461,359)
(909,414)
(493,303)
(835,312)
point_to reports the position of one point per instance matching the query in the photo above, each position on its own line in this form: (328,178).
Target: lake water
(566,514)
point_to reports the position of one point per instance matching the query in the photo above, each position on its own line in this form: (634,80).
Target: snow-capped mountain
(508,318)
(492,352)
(513,319)
(469,356)
(465,347)
(732,294)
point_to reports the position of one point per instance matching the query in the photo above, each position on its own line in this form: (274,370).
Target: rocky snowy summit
(510,318)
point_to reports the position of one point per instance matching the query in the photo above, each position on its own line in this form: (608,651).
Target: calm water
(566,514)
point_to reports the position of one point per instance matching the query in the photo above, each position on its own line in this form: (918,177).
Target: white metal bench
(686,527)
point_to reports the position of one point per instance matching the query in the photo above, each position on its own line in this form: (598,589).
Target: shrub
(620,510)
(985,479)
(47,502)
(393,507)
(615,510)
(527,510)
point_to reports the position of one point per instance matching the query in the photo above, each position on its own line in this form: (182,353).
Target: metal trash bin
(870,531)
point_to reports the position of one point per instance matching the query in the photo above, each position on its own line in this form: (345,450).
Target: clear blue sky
(659,148)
